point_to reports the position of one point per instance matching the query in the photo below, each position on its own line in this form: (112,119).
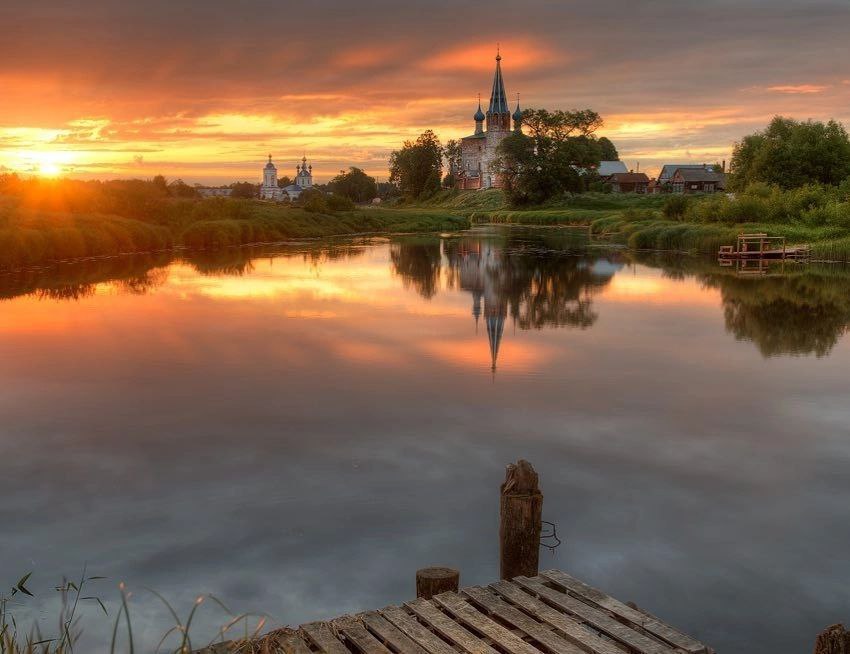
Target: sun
(45,163)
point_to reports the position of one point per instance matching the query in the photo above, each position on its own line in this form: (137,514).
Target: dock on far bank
(551,613)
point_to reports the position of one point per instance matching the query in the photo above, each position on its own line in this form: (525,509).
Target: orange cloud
(516,55)
(798,89)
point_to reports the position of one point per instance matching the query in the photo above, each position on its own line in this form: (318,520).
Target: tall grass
(177,638)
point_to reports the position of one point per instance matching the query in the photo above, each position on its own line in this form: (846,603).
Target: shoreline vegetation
(44,221)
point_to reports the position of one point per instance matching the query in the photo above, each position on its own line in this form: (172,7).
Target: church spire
(498,114)
(495,328)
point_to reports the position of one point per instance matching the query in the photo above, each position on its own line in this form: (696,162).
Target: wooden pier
(527,612)
(551,613)
(761,246)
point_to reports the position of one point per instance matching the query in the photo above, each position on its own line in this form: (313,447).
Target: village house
(214,191)
(700,180)
(608,168)
(628,182)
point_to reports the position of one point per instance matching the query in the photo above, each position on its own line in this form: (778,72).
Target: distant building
(668,170)
(269,190)
(478,151)
(629,182)
(700,180)
(214,191)
(303,180)
(608,168)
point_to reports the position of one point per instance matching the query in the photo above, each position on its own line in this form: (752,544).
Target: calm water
(296,430)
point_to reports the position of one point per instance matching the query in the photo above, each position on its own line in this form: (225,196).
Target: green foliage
(540,163)
(417,168)
(607,150)
(244,190)
(355,185)
(340,203)
(676,206)
(790,154)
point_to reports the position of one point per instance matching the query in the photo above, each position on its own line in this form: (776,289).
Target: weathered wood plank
(528,625)
(596,617)
(567,625)
(472,617)
(411,628)
(388,633)
(448,628)
(642,619)
(293,644)
(322,635)
(356,634)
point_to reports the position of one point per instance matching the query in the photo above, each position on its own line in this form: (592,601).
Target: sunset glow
(200,96)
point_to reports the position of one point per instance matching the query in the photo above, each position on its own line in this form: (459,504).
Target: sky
(205,91)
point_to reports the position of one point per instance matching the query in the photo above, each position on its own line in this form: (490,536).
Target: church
(478,151)
(269,189)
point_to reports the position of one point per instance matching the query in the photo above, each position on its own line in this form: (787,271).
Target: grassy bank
(32,235)
(818,216)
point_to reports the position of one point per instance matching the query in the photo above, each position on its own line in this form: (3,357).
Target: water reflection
(532,278)
(304,391)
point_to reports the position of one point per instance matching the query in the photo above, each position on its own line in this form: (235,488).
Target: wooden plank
(293,644)
(389,634)
(356,634)
(542,634)
(322,635)
(596,617)
(642,619)
(416,632)
(472,617)
(448,628)
(567,625)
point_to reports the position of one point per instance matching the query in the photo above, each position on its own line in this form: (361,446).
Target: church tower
(498,113)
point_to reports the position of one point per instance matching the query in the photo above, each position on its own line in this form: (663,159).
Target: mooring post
(520,521)
(433,581)
(833,640)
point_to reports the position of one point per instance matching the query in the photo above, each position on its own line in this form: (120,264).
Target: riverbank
(31,236)
(696,224)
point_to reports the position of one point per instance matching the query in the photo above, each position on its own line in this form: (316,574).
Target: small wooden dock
(551,613)
(528,612)
(761,246)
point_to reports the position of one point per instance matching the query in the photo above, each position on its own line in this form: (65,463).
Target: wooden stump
(833,640)
(433,581)
(520,522)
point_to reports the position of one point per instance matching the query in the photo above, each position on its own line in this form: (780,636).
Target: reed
(176,638)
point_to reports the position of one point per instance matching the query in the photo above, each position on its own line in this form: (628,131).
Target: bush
(675,207)
(339,203)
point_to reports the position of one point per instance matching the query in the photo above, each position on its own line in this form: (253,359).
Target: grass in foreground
(177,639)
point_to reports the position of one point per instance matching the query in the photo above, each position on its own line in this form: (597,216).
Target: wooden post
(833,640)
(433,581)
(520,522)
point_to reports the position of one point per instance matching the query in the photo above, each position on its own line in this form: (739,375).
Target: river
(297,428)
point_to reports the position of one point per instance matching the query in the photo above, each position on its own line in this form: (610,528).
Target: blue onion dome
(479,115)
(269,164)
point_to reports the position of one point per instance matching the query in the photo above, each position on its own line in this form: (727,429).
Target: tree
(608,151)
(544,162)
(355,185)
(791,153)
(180,189)
(283,182)
(243,190)
(418,166)
(161,184)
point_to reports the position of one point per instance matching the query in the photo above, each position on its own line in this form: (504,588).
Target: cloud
(798,89)
(204,87)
